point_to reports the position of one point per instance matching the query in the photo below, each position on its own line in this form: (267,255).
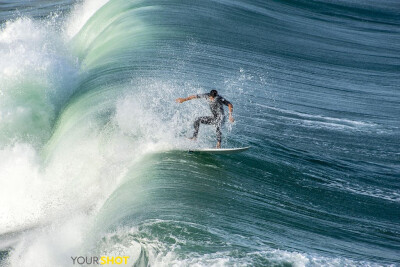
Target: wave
(87,117)
(38,75)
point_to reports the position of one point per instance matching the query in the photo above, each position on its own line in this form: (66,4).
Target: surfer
(216,103)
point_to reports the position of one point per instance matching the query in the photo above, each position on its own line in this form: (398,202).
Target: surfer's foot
(219,145)
(192,138)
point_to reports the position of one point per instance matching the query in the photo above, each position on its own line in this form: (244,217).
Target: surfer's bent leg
(204,120)
(219,133)
(218,126)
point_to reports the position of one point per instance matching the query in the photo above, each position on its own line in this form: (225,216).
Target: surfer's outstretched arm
(181,100)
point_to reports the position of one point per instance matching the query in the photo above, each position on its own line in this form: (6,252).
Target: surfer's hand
(179,100)
(231,119)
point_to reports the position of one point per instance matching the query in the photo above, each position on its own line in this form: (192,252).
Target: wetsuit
(217,110)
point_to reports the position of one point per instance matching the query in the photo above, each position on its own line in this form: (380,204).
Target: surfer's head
(213,93)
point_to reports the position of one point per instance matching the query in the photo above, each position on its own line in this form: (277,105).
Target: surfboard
(220,150)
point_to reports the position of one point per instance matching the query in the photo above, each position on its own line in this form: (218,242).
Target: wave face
(90,132)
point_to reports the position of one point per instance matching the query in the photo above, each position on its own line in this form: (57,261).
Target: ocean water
(90,132)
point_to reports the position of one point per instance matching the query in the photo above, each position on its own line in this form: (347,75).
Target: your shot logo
(102,260)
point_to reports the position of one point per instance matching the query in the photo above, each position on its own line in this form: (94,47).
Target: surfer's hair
(213,93)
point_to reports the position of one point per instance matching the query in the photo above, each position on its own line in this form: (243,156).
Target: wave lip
(38,75)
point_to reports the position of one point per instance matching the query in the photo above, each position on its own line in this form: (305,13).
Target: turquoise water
(89,132)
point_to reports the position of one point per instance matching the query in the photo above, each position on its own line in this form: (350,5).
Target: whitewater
(90,132)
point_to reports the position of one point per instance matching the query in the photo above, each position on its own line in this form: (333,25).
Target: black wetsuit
(217,110)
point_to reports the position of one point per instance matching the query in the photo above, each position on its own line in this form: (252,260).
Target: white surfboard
(219,150)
